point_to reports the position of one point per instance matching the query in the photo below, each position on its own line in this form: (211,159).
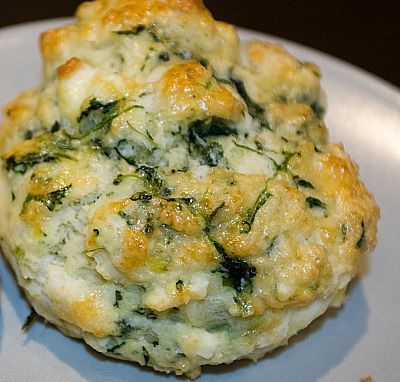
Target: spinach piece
(302,183)
(179,285)
(148,229)
(244,147)
(138,29)
(128,218)
(208,153)
(28,134)
(120,178)
(118,298)
(164,57)
(318,109)
(124,327)
(56,127)
(288,156)
(271,247)
(151,177)
(97,116)
(145,173)
(344,229)
(255,110)
(146,356)
(50,200)
(315,203)
(214,127)
(115,347)
(134,31)
(132,152)
(361,241)
(237,273)
(148,313)
(141,197)
(251,213)
(22,164)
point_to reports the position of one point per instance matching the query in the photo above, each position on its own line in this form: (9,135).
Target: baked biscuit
(169,194)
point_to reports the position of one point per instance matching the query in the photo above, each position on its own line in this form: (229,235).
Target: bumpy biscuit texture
(169,194)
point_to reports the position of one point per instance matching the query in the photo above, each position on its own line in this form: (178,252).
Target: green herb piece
(97,116)
(28,134)
(146,356)
(344,230)
(49,149)
(134,31)
(244,147)
(118,298)
(271,247)
(209,218)
(50,200)
(237,273)
(187,200)
(116,347)
(56,127)
(315,203)
(33,316)
(120,178)
(138,29)
(148,313)
(318,109)
(22,164)
(19,252)
(361,241)
(141,196)
(148,229)
(251,213)
(213,127)
(255,110)
(128,218)
(151,177)
(164,57)
(132,152)
(208,153)
(285,162)
(124,327)
(179,285)
(302,183)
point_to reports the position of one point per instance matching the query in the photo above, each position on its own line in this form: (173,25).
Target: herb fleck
(148,313)
(50,200)
(251,214)
(315,203)
(118,298)
(179,285)
(255,110)
(361,241)
(302,183)
(237,273)
(115,347)
(146,356)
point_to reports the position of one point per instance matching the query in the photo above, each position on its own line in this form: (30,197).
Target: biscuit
(169,193)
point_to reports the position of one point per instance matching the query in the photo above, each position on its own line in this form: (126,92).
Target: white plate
(359,340)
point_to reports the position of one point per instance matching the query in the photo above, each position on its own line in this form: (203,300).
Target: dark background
(365,33)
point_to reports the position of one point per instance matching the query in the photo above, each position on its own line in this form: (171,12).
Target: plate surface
(361,339)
